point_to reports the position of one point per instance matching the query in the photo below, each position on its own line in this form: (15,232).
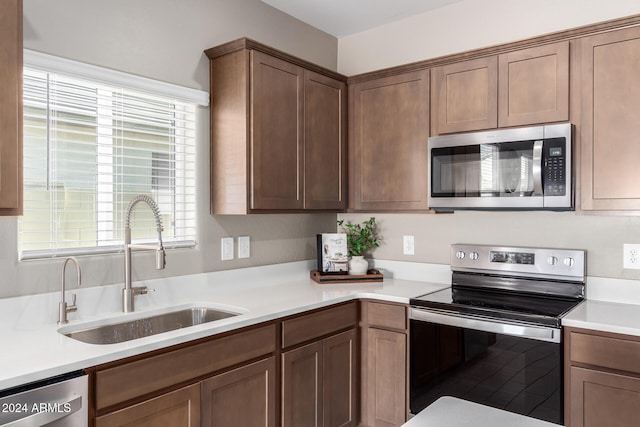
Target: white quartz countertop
(33,349)
(612,305)
(605,316)
(449,411)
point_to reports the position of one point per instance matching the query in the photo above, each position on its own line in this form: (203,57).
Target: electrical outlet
(244,247)
(631,256)
(408,247)
(226,249)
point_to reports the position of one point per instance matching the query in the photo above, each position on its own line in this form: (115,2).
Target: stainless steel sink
(144,327)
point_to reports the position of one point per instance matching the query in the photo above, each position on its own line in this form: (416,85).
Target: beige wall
(467,25)
(470,24)
(601,236)
(165,40)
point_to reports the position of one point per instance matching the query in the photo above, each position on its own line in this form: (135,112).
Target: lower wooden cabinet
(245,396)
(249,378)
(602,384)
(302,386)
(604,399)
(179,408)
(386,367)
(384,387)
(318,383)
(340,373)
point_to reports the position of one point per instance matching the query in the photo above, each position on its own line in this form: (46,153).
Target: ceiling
(345,17)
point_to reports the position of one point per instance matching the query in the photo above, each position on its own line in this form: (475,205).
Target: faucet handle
(73,307)
(142,290)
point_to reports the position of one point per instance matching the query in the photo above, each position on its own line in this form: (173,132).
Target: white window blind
(89,148)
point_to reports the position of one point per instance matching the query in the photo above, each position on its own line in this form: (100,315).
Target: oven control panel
(549,262)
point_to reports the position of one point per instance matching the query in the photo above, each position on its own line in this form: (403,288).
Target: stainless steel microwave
(509,169)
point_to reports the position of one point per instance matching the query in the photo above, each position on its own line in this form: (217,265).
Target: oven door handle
(539,333)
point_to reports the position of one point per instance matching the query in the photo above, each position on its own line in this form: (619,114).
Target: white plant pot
(358,265)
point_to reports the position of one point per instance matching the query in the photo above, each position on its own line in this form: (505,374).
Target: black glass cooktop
(499,304)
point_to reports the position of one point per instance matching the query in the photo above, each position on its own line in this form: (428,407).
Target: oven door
(485,362)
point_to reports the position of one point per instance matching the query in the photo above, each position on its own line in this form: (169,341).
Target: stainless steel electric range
(494,337)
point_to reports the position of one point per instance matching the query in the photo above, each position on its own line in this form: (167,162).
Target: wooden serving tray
(345,278)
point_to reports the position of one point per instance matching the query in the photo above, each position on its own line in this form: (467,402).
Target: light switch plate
(226,249)
(244,247)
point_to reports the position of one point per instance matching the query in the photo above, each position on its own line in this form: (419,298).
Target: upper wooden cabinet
(522,87)
(533,85)
(278,132)
(11,107)
(609,128)
(464,96)
(388,131)
(276,149)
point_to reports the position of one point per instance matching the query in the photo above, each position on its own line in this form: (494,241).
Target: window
(90,146)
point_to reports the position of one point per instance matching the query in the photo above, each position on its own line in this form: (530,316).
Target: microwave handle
(537,168)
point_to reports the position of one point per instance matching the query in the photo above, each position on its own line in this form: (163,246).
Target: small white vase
(358,265)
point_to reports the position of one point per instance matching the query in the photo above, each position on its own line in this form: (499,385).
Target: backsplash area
(601,236)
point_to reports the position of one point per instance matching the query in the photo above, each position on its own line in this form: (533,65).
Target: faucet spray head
(160,258)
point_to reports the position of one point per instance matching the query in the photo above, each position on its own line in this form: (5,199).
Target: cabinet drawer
(311,326)
(613,353)
(127,381)
(387,315)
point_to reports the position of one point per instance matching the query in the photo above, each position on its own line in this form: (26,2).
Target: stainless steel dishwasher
(60,401)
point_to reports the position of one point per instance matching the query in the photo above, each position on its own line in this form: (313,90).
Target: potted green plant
(360,238)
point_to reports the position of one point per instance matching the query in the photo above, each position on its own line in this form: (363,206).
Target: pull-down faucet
(129,292)
(63,308)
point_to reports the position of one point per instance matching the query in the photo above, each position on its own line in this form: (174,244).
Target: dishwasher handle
(44,418)
(539,333)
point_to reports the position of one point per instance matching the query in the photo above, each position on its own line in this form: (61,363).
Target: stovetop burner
(499,305)
(533,286)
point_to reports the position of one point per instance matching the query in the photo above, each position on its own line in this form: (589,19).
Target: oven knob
(474,256)
(552,260)
(569,262)
(460,254)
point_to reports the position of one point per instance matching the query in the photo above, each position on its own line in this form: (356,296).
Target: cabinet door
(11,107)
(276,143)
(603,399)
(610,101)
(340,380)
(302,379)
(389,127)
(386,371)
(245,396)
(179,408)
(464,96)
(325,142)
(533,85)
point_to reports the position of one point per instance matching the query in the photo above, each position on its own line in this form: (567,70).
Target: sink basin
(146,326)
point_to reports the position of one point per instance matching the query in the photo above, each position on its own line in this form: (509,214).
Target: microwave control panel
(554,168)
